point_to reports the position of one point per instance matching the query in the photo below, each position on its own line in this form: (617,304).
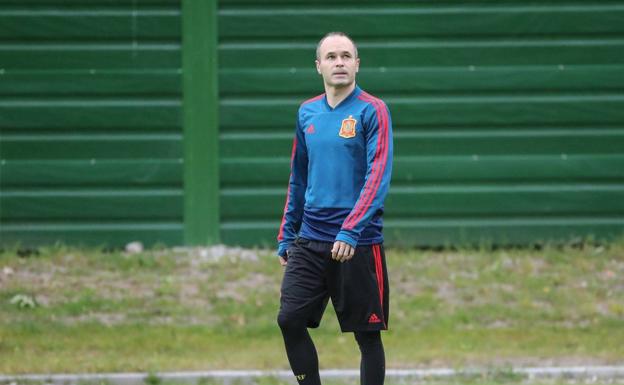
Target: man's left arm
(379,151)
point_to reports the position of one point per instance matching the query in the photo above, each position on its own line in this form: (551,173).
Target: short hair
(335,33)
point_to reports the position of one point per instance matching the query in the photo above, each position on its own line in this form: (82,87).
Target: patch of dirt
(108,319)
(240,290)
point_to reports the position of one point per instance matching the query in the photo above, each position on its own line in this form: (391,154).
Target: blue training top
(340,166)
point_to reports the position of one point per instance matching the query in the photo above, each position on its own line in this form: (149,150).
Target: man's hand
(342,251)
(282,261)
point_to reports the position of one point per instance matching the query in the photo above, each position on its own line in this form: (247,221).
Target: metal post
(201,124)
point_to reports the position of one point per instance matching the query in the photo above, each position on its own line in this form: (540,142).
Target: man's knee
(288,321)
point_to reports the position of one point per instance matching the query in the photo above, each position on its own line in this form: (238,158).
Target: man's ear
(318,66)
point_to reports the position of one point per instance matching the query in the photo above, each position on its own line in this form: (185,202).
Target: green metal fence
(91,139)
(508,117)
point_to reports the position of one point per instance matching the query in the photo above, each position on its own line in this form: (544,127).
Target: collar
(356,91)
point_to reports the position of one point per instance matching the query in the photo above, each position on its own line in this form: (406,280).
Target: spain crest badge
(347,129)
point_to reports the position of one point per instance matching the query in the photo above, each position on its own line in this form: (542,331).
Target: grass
(492,377)
(166,309)
(485,379)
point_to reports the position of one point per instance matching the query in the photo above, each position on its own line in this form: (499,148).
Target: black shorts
(358,288)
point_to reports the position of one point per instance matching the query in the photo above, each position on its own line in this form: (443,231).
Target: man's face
(337,62)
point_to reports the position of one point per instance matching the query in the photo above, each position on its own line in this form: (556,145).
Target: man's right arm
(295,196)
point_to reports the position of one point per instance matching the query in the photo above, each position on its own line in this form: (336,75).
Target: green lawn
(193,309)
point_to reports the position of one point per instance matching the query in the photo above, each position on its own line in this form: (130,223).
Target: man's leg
(300,350)
(360,294)
(373,363)
(303,300)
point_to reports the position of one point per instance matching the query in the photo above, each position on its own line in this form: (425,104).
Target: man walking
(330,238)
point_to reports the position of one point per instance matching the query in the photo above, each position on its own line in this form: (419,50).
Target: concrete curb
(247,376)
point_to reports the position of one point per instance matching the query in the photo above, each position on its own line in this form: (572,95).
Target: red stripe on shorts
(380,278)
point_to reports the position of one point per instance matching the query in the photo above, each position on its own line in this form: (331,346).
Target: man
(330,238)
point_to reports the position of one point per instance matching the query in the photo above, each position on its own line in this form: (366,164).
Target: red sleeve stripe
(379,163)
(280,235)
(377,168)
(313,99)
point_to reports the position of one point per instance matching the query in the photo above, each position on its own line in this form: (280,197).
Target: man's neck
(335,95)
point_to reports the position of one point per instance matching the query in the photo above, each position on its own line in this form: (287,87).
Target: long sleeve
(379,170)
(295,195)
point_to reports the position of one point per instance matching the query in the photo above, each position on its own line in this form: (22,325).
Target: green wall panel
(248,172)
(508,116)
(90,122)
(143,23)
(467,200)
(78,56)
(385,20)
(95,146)
(104,233)
(95,204)
(478,110)
(63,114)
(455,143)
(436,53)
(455,231)
(91,172)
(102,83)
(430,80)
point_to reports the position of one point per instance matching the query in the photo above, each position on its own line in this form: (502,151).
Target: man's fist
(342,251)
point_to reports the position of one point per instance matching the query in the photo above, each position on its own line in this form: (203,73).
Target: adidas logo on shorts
(373,319)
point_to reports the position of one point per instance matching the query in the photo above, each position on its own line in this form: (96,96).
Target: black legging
(373,364)
(303,358)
